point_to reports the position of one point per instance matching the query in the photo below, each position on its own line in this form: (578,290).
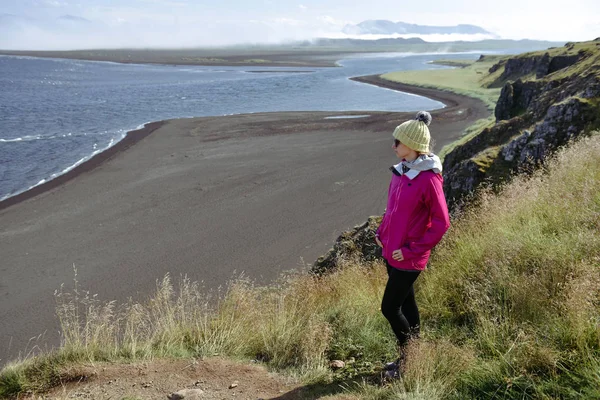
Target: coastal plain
(210,198)
(286,57)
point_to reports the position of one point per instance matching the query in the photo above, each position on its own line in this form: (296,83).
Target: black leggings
(398,304)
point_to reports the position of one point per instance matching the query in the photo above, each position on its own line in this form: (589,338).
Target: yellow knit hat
(415,133)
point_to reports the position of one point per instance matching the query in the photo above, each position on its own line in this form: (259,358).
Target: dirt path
(213,378)
(208,379)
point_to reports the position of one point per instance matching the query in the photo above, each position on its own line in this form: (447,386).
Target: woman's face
(401,150)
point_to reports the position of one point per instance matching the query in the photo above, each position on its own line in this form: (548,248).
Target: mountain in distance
(385,27)
(350,42)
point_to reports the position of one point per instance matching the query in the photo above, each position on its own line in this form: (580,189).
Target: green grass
(589,65)
(568,49)
(453,63)
(470,81)
(469,133)
(510,309)
(485,158)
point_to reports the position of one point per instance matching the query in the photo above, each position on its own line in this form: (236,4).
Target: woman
(415,220)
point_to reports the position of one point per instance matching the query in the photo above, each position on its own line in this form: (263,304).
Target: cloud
(288,22)
(125,30)
(130,28)
(181,23)
(53,3)
(168,3)
(327,20)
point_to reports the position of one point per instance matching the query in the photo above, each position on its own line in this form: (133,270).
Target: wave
(70,167)
(142,126)
(30,138)
(57,174)
(22,139)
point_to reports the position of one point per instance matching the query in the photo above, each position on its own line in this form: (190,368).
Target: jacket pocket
(408,256)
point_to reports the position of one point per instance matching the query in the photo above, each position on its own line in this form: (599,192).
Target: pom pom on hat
(414,133)
(424,116)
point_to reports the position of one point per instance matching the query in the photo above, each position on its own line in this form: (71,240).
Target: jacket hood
(425,162)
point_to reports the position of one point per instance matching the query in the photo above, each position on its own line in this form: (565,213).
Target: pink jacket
(415,220)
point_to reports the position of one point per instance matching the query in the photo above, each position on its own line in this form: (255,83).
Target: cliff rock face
(524,65)
(515,98)
(534,117)
(358,243)
(560,62)
(538,64)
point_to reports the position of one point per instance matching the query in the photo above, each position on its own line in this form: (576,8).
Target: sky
(73,24)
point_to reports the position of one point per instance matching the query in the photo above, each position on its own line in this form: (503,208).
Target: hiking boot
(391,374)
(392,370)
(391,366)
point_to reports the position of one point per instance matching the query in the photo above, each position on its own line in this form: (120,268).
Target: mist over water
(55,114)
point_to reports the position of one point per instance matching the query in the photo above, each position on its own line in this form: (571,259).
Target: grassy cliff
(510,309)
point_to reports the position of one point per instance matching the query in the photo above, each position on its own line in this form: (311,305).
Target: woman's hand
(378,242)
(397,255)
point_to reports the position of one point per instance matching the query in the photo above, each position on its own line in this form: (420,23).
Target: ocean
(56,113)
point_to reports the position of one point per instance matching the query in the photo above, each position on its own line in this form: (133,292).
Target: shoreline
(452,102)
(446,97)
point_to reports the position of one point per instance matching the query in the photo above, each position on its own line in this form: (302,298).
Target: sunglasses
(396,143)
